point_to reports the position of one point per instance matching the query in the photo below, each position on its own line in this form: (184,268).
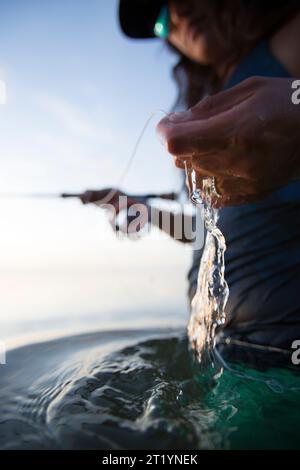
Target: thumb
(208,126)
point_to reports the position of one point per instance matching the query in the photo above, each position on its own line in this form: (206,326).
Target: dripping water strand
(208,305)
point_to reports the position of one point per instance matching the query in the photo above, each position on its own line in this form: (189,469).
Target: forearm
(178,226)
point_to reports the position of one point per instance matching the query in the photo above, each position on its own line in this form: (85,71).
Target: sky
(78,94)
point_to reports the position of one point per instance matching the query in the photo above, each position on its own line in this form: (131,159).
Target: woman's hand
(247,137)
(117,201)
(110,196)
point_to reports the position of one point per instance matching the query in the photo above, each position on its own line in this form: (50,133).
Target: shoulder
(285,46)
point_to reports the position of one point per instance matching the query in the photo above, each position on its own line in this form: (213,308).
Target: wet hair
(231,29)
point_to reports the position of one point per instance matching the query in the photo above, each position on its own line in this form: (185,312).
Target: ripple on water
(125,390)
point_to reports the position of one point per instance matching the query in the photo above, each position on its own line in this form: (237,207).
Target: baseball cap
(138,17)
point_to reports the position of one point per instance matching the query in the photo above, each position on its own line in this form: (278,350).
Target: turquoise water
(141,389)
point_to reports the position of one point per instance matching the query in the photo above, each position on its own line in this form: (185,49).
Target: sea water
(208,305)
(140,390)
(143,389)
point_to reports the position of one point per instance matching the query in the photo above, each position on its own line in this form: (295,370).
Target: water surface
(140,389)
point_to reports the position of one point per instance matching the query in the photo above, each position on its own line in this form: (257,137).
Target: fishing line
(138,142)
(132,157)
(113,192)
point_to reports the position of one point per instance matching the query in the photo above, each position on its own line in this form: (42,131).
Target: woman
(219,44)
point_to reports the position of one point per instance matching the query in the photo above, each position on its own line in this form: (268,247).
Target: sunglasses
(162,25)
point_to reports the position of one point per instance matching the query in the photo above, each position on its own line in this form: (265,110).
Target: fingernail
(180,117)
(161,138)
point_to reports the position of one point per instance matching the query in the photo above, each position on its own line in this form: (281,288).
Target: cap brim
(137,17)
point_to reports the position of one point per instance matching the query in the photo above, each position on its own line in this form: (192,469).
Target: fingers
(218,103)
(238,191)
(110,199)
(209,125)
(196,137)
(213,164)
(91,196)
(86,197)
(104,196)
(179,163)
(234,191)
(217,136)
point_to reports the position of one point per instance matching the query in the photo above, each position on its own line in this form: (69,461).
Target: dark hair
(232,28)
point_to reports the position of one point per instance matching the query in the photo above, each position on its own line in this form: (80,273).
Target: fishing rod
(165,196)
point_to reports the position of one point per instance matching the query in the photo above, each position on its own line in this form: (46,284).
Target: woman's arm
(177,225)
(285,46)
